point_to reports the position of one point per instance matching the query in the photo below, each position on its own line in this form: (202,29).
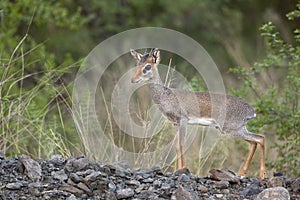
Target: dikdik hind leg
(254,139)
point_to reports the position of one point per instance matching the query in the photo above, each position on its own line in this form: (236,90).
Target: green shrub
(274,83)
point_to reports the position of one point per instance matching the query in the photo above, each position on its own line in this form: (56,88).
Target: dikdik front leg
(180,135)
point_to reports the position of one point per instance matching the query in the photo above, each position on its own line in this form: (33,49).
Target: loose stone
(71,189)
(71,179)
(279,193)
(92,177)
(74,177)
(125,193)
(14,186)
(83,187)
(60,175)
(33,168)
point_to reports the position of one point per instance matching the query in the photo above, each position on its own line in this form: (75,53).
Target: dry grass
(33,115)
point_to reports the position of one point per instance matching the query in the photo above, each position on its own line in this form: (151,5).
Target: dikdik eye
(146,68)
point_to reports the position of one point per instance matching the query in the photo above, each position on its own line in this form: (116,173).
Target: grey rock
(157,183)
(71,189)
(296,186)
(182,194)
(226,191)
(36,185)
(277,181)
(212,198)
(69,164)
(33,168)
(221,184)
(133,182)
(34,191)
(92,177)
(57,160)
(193,177)
(140,188)
(165,186)
(223,175)
(120,173)
(169,174)
(125,193)
(106,170)
(98,185)
(144,173)
(110,167)
(71,197)
(157,169)
(85,172)
(110,195)
(74,177)
(112,186)
(84,187)
(245,180)
(202,188)
(59,175)
(14,186)
(148,180)
(82,163)
(184,178)
(202,180)
(182,171)
(278,193)
(252,189)
(139,177)
(98,181)
(146,194)
(70,182)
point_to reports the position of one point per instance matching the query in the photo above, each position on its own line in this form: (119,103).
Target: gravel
(84,178)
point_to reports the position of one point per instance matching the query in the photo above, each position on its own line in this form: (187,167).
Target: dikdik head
(146,65)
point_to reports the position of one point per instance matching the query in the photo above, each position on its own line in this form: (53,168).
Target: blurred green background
(254,43)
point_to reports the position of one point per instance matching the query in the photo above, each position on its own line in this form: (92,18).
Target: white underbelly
(201,121)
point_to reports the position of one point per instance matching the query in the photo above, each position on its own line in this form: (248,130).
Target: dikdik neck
(156,86)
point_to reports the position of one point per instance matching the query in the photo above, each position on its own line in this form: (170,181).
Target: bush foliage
(277,96)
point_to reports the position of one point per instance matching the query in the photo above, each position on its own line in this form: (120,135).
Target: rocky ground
(83,178)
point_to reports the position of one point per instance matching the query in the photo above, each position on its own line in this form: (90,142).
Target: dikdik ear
(156,55)
(136,55)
